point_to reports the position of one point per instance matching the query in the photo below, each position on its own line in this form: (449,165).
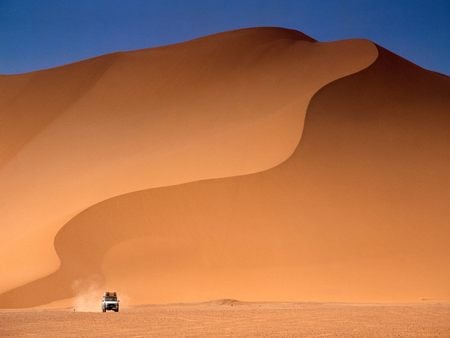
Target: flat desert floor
(232,318)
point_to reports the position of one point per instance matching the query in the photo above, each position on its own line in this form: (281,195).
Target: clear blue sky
(36,34)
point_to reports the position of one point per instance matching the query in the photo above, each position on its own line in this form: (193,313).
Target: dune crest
(226,105)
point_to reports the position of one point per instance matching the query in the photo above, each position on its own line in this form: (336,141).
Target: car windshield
(110,298)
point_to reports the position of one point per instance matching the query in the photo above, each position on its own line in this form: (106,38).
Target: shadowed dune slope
(359,212)
(224,105)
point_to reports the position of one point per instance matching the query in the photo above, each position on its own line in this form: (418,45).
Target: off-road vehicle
(110,302)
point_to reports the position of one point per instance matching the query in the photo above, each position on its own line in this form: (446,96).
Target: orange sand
(357,210)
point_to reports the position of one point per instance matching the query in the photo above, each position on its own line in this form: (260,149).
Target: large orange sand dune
(95,154)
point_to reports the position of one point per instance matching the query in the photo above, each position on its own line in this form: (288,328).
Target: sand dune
(357,211)
(76,135)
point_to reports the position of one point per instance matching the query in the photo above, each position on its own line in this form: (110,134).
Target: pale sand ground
(237,319)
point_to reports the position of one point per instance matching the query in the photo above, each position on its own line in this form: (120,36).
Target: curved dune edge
(61,283)
(127,131)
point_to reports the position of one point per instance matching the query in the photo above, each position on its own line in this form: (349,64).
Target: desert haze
(256,164)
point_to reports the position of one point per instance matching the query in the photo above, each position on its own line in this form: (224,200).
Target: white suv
(110,302)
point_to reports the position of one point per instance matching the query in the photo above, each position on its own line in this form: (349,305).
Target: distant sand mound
(225,302)
(358,211)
